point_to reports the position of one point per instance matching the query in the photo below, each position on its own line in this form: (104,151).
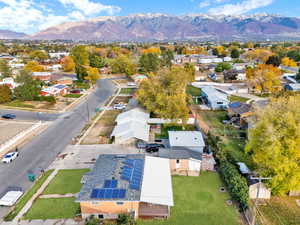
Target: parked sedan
(9,116)
(155,145)
(9,157)
(119,106)
(152,149)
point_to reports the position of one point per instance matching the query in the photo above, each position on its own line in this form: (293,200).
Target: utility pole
(257,196)
(88,111)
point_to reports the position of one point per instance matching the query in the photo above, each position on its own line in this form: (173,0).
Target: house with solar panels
(56,90)
(137,185)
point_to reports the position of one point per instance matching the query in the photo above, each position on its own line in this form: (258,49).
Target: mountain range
(161,27)
(7,34)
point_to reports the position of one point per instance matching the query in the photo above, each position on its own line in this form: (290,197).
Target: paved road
(42,150)
(27,115)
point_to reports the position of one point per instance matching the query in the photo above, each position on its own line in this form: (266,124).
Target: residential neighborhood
(187,132)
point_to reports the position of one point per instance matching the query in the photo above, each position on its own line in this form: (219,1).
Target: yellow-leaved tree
(286,61)
(93,75)
(33,66)
(68,64)
(264,78)
(259,54)
(164,94)
(274,143)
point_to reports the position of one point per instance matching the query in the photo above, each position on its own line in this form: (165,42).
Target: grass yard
(53,208)
(73,95)
(281,211)
(127,91)
(66,181)
(197,201)
(229,135)
(234,98)
(21,203)
(20,104)
(193,91)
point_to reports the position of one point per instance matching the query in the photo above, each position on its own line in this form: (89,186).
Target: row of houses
(201,59)
(55,77)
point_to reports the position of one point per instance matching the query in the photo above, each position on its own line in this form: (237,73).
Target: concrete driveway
(84,156)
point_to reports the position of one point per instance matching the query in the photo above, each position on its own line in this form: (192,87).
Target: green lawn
(193,91)
(229,135)
(127,91)
(234,98)
(198,202)
(73,95)
(281,211)
(53,208)
(27,196)
(18,103)
(66,181)
(166,128)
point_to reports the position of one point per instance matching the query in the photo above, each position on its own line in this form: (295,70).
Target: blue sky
(33,15)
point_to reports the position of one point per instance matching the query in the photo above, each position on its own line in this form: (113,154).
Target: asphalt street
(40,152)
(28,115)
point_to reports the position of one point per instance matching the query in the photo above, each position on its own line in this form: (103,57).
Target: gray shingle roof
(179,153)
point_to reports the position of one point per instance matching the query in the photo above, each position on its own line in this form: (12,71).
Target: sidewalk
(100,115)
(35,196)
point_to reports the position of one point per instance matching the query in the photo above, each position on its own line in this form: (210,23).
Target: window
(100,216)
(220,103)
(120,203)
(177,161)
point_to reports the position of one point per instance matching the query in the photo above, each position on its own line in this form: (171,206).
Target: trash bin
(31,177)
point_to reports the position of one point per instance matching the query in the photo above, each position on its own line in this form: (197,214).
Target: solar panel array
(132,172)
(108,193)
(110,184)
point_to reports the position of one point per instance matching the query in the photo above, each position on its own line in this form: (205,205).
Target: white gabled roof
(186,139)
(136,114)
(157,182)
(132,129)
(132,124)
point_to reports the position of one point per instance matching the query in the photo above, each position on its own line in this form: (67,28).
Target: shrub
(5,94)
(50,99)
(236,184)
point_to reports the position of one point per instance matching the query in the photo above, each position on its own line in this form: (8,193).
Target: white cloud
(204,4)
(240,7)
(87,7)
(207,3)
(29,16)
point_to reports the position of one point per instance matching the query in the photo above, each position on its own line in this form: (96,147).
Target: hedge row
(235,182)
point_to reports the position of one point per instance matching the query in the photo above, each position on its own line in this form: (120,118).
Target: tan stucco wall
(89,208)
(183,168)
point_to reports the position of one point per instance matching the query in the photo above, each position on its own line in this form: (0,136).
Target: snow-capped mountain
(7,34)
(146,27)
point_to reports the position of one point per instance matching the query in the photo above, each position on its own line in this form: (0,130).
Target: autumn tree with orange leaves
(264,78)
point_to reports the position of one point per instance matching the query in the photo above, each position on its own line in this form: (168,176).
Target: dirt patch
(100,133)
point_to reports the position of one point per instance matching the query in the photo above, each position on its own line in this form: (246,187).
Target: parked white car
(10,198)
(9,157)
(132,84)
(119,106)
